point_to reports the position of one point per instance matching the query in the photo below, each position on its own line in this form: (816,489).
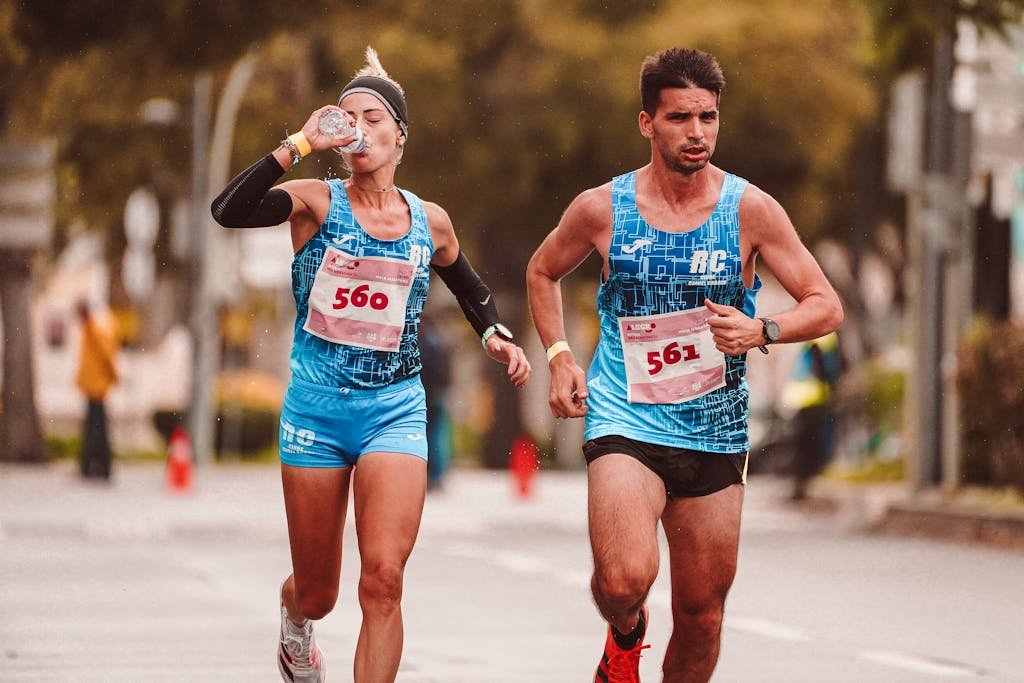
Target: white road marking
(519,562)
(529,564)
(769,629)
(918,664)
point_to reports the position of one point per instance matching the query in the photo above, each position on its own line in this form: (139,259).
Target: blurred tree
(900,37)
(519,119)
(904,32)
(102,59)
(510,119)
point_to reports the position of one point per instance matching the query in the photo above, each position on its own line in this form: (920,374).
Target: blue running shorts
(332,427)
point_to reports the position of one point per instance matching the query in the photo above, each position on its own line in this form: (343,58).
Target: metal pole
(203,322)
(222,259)
(936,227)
(960,295)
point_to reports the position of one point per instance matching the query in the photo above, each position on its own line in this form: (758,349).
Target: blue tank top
(348,365)
(655,272)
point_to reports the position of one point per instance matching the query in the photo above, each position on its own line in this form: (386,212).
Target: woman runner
(354,412)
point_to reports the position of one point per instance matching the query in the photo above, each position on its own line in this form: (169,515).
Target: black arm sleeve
(470,291)
(249,202)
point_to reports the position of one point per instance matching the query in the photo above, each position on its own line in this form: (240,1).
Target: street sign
(905,155)
(141,218)
(999,107)
(138,272)
(27,190)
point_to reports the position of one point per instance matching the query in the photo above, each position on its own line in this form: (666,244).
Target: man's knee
(701,619)
(380,586)
(625,584)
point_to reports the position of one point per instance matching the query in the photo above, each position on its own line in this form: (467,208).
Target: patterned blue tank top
(361,360)
(653,272)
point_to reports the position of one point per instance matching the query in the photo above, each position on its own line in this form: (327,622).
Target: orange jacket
(97,364)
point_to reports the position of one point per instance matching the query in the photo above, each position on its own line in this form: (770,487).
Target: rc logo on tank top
(360,301)
(705,262)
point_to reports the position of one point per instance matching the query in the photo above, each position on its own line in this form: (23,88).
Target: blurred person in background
(809,392)
(97,373)
(436,375)
(354,411)
(666,401)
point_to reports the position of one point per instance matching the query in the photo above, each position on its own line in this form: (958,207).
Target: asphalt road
(129,582)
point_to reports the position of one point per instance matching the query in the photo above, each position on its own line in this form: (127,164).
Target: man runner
(665,399)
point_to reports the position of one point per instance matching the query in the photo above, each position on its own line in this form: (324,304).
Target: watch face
(771,330)
(503,331)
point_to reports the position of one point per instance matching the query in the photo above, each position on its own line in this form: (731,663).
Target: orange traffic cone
(523,465)
(179,462)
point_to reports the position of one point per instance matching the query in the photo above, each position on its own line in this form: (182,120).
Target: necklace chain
(371,189)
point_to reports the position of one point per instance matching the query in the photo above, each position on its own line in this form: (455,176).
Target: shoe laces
(623,665)
(298,642)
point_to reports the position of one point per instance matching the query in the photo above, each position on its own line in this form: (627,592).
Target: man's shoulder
(761,214)
(594,201)
(756,202)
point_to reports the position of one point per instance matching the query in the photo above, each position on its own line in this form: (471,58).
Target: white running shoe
(298,656)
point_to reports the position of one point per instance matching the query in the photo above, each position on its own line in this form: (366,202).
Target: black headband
(386,92)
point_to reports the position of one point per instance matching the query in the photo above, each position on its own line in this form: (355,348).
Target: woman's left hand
(511,355)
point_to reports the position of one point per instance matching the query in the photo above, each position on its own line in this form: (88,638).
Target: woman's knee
(316,603)
(380,585)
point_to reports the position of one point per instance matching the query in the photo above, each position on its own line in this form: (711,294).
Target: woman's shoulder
(310,191)
(436,215)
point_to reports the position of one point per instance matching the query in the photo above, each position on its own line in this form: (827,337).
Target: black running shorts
(686,473)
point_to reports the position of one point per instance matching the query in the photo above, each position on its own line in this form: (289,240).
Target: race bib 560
(360,301)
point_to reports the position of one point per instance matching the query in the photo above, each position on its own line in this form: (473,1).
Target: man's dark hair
(678,67)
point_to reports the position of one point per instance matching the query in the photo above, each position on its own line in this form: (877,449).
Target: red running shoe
(618,665)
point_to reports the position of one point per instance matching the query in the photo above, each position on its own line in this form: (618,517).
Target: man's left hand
(734,332)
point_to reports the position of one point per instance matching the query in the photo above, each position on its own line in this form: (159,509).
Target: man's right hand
(568,395)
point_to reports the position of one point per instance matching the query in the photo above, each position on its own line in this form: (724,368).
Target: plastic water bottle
(335,124)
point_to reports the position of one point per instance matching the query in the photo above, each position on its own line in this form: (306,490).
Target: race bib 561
(671,357)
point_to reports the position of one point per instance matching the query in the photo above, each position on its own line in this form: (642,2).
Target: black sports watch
(770,330)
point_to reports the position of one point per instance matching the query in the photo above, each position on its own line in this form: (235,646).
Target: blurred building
(151,377)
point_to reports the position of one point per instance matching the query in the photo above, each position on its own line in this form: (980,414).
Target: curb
(952,524)
(891,508)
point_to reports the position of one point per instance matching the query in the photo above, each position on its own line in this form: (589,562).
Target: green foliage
(883,397)
(796,99)
(509,119)
(61,447)
(177,33)
(905,30)
(990,378)
(873,392)
(868,471)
